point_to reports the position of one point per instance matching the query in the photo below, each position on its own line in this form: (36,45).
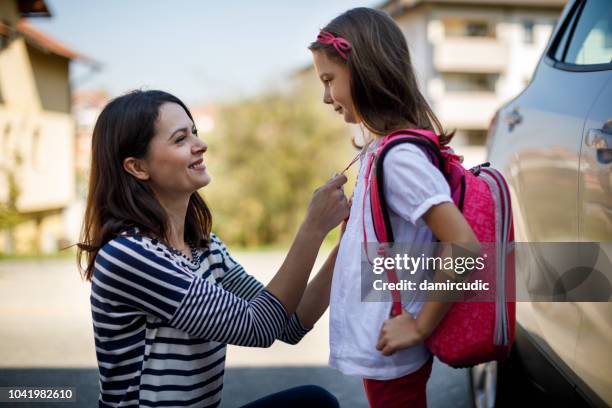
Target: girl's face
(174,164)
(336,81)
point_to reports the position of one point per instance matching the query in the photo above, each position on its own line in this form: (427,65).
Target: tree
(9,215)
(266,159)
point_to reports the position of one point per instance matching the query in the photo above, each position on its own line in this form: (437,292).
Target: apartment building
(471,56)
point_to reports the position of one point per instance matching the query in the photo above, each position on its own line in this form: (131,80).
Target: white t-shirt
(412,185)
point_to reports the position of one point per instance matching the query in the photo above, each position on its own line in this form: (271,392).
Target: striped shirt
(161,321)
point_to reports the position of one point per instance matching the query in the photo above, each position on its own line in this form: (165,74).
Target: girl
(166,296)
(363,61)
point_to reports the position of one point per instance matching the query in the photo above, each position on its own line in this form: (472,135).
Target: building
(471,56)
(87,104)
(37,134)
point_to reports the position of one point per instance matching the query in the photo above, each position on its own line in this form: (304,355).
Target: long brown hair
(383,85)
(118,201)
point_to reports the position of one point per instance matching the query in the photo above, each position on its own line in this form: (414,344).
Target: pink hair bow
(340,44)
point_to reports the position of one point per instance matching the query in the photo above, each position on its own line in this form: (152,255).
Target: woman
(166,296)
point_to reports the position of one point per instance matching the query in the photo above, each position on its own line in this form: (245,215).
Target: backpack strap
(378,202)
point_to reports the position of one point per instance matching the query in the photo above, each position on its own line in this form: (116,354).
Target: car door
(538,144)
(593,362)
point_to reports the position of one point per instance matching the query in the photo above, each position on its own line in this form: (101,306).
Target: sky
(202,51)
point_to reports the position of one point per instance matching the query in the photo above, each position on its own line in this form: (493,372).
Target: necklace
(182,253)
(358,156)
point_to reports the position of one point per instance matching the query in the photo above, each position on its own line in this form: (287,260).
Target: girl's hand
(399,332)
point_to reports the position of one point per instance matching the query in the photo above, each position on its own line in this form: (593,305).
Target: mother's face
(174,163)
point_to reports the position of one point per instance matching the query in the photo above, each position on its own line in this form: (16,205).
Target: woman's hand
(328,206)
(399,332)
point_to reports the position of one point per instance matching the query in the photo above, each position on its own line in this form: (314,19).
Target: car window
(591,42)
(567,29)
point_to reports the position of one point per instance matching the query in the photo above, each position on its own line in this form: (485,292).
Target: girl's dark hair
(383,85)
(118,201)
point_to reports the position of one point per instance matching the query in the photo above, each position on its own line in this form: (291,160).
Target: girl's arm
(449,226)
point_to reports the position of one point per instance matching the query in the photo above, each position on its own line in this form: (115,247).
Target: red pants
(404,392)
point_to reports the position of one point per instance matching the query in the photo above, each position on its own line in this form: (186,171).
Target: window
(528,37)
(470,137)
(477,29)
(464,82)
(35,152)
(567,28)
(587,41)
(456,27)
(592,39)
(6,140)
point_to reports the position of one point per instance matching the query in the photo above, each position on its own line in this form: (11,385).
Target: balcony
(478,55)
(466,110)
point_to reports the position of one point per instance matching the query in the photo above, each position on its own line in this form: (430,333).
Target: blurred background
(244,70)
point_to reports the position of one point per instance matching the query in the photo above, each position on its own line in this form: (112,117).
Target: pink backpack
(472,332)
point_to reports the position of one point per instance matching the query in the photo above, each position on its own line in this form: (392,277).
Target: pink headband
(340,44)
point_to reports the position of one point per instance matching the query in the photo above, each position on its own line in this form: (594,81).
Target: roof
(49,44)
(397,7)
(33,8)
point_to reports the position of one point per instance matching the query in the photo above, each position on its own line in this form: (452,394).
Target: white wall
(424,30)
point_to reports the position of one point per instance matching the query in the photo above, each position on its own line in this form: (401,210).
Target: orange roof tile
(49,44)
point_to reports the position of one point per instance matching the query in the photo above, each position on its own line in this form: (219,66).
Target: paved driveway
(46,339)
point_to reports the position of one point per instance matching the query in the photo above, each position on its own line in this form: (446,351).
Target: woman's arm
(316,297)
(132,276)
(449,226)
(314,302)
(327,209)
(245,286)
(311,307)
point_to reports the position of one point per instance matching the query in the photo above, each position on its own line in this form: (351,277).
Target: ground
(47,339)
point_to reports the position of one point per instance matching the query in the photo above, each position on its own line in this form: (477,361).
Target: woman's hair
(118,201)
(383,85)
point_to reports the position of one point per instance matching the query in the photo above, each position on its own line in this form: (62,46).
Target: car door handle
(513,118)
(600,139)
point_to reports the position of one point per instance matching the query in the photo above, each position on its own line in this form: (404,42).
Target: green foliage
(9,216)
(266,158)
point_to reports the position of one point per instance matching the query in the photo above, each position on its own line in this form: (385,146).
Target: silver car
(553,143)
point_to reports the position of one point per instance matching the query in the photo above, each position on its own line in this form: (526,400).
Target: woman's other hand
(345,221)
